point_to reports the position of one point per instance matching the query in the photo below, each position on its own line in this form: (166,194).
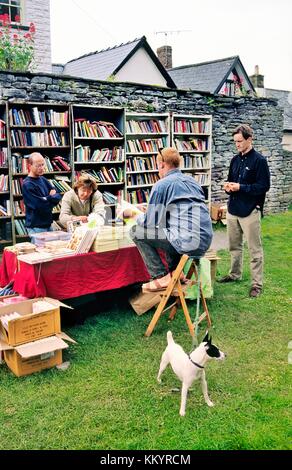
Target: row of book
(83,154)
(191,127)
(110,198)
(37,117)
(141,163)
(95,129)
(4,183)
(3,157)
(195,161)
(2,129)
(142,179)
(47,138)
(191,144)
(138,196)
(145,145)
(19,207)
(202,178)
(5,209)
(19,164)
(17,186)
(20,227)
(151,126)
(60,184)
(106,175)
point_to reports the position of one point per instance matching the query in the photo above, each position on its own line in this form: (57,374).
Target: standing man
(248,182)
(177,221)
(39,197)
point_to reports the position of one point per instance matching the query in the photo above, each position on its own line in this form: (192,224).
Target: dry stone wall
(264,115)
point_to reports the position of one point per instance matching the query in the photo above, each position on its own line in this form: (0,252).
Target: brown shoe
(255,291)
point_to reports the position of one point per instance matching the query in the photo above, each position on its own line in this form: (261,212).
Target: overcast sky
(259,31)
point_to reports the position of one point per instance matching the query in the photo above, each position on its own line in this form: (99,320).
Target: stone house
(133,61)
(24,12)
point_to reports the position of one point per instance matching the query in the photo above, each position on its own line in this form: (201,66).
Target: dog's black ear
(207,339)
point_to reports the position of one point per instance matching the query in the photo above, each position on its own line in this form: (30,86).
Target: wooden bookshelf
(44,128)
(5,200)
(145,134)
(99,148)
(192,136)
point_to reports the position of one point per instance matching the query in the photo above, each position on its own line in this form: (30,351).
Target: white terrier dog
(189,367)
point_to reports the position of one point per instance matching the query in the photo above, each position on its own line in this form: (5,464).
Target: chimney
(164,54)
(257,79)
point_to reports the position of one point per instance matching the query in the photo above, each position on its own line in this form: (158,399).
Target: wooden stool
(176,289)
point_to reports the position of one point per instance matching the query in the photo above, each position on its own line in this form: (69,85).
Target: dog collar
(195,364)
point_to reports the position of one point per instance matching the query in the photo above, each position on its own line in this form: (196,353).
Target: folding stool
(176,289)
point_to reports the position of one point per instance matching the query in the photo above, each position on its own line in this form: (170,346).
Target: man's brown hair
(170,156)
(243,129)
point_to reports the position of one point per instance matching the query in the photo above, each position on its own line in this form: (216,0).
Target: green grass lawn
(109,397)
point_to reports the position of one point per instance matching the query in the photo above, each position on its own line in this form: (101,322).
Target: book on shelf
(3,157)
(95,129)
(2,129)
(38,117)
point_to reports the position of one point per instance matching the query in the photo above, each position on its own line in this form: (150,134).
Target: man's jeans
(148,242)
(32,231)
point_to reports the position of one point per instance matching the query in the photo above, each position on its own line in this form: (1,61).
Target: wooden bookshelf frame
(201,172)
(138,133)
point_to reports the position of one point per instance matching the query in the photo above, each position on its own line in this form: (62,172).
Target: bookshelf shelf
(39,127)
(192,136)
(99,148)
(145,134)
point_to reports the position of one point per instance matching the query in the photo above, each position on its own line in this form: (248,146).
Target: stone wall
(39,14)
(264,115)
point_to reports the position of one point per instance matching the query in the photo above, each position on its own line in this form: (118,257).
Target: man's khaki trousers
(250,227)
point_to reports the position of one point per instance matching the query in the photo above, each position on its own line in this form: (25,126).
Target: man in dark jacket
(248,182)
(39,197)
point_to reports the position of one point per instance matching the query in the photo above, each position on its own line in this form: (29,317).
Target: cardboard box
(218,211)
(143,301)
(36,355)
(30,326)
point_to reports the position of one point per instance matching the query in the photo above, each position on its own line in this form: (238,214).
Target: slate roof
(206,76)
(99,65)
(283,98)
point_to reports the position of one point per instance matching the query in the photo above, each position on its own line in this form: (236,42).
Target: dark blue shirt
(177,206)
(38,202)
(251,171)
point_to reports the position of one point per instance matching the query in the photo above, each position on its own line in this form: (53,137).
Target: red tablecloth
(74,276)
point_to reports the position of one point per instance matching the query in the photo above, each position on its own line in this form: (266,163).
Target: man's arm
(66,211)
(98,206)
(34,201)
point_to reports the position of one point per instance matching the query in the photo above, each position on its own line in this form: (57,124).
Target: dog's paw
(210,403)
(158,380)
(182,413)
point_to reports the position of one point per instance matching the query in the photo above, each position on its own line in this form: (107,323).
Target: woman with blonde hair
(81,201)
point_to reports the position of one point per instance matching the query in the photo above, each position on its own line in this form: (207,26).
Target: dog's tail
(169,337)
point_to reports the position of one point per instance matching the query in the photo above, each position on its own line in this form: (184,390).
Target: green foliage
(16,48)
(109,397)
(111,78)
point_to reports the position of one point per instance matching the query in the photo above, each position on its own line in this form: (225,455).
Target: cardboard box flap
(63,335)
(42,346)
(56,302)
(4,346)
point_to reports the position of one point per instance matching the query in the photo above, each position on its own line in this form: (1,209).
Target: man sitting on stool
(177,221)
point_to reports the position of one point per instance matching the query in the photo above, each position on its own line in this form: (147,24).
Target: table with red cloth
(73,276)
